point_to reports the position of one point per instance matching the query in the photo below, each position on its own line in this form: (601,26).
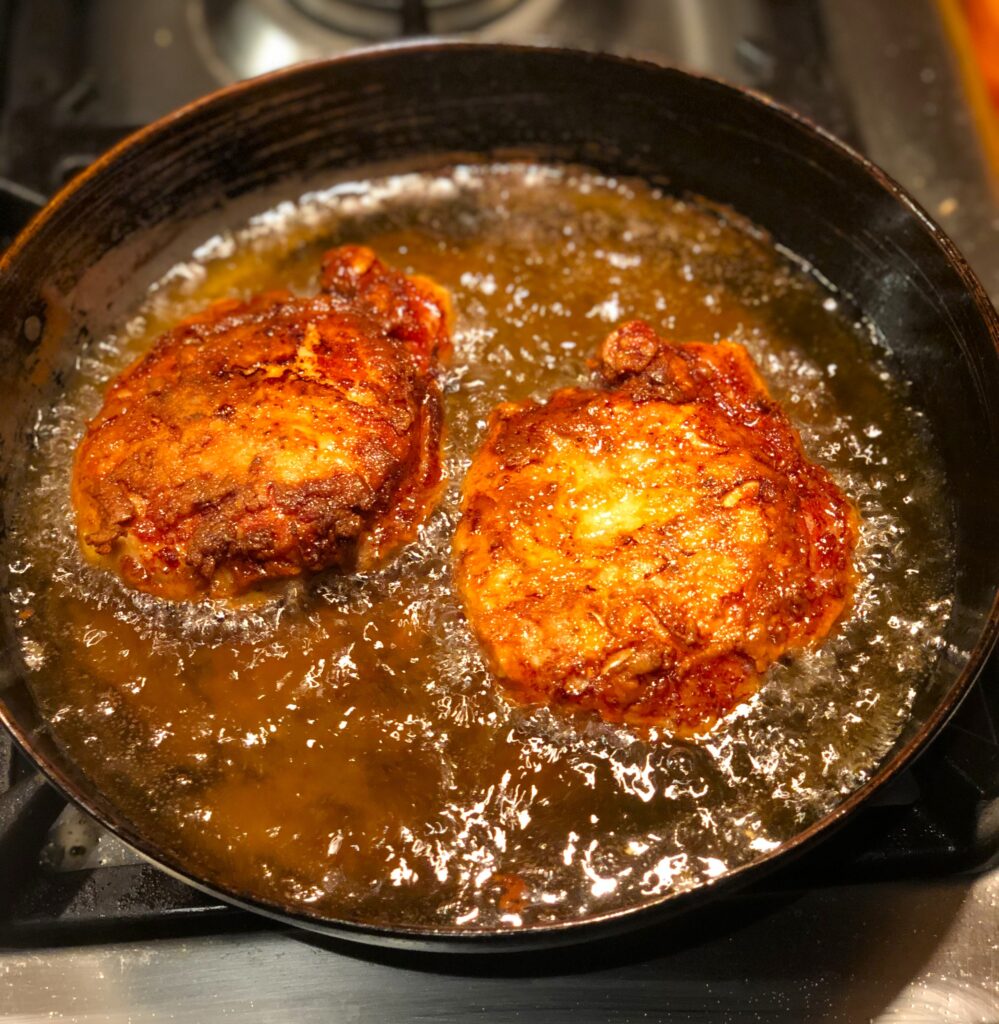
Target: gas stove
(893,918)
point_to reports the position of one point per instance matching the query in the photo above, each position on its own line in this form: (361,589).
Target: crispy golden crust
(263,439)
(648,549)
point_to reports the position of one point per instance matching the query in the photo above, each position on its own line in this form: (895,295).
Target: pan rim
(464,938)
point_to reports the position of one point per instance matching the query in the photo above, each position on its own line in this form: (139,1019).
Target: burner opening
(242,38)
(389,19)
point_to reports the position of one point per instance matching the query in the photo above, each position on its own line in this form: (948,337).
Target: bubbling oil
(340,749)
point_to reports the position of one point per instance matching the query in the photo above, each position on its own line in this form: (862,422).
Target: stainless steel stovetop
(862,932)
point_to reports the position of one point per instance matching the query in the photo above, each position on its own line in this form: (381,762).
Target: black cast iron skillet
(88,258)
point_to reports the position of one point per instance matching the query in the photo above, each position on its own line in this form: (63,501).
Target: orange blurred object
(983,26)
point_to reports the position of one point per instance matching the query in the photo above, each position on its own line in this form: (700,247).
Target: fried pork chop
(648,548)
(272,437)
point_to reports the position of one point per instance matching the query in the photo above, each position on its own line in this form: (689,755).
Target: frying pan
(89,256)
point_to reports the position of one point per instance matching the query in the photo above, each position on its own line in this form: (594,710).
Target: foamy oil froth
(339,745)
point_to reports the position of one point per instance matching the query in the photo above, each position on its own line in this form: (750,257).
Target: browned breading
(647,549)
(263,439)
